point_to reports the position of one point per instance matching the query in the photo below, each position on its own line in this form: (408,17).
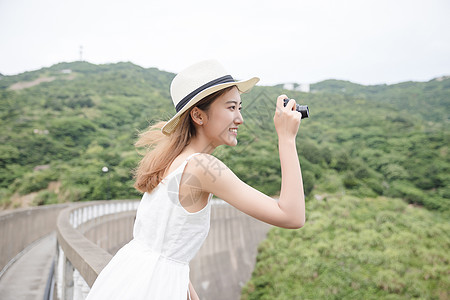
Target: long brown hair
(161,150)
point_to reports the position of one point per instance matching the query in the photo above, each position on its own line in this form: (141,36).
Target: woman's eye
(234,107)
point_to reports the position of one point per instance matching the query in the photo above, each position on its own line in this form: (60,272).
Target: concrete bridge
(56,252)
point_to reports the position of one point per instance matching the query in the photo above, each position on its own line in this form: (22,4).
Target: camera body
(303,109)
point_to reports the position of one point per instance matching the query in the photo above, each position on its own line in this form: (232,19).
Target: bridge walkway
(26,278)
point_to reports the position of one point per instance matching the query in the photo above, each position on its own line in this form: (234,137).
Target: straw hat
(198,81)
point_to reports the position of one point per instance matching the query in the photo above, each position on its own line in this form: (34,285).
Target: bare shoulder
(207,164)
(206,157)
(210,171)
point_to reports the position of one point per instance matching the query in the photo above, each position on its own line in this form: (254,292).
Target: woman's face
(223,119)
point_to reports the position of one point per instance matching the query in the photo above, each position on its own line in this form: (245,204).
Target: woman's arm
(192,292)
(292,193)
(289,211)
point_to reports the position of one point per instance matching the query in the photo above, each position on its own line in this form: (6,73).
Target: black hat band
(185,100)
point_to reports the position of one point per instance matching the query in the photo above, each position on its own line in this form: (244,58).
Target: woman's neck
(200,144)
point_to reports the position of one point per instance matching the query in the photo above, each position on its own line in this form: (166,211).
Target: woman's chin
(233,142)
(229,141)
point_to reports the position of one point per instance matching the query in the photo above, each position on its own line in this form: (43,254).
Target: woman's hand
(286,119)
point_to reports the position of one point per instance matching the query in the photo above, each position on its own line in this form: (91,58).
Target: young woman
(178,175)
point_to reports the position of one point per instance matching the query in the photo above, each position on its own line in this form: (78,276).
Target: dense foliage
(363,149)
(81,118)
(353,248)
(72,119)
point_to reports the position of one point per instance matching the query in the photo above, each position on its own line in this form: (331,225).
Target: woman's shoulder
(204,159)
(205,164)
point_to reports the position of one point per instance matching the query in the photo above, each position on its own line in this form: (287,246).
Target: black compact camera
(303,109)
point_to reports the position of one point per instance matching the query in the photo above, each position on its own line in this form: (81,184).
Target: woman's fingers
(286,119)
(280,102)
(289,106)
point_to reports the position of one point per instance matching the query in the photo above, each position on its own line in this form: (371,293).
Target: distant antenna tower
(81,53)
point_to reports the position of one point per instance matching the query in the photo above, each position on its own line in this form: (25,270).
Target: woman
(178,175)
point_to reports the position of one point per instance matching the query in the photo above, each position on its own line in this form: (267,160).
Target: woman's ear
(198,116)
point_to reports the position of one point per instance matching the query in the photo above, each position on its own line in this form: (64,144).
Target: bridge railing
(21,228)
(79,260)
(90,233)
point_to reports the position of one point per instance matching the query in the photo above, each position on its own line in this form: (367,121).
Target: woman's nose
(239,119)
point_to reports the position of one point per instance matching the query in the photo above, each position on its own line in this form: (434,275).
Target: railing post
(81,288)
(59,271)
(68,280)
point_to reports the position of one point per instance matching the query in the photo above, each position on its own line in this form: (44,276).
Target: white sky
(364,41)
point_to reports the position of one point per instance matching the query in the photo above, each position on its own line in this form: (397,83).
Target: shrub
(73,130)
(35,181)
(45,197)
(407,191)
(308,181)
(341,161)
(350,180)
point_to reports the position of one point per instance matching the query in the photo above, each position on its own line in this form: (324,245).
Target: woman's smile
(233,131)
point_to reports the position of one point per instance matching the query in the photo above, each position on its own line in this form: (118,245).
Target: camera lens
(303,109)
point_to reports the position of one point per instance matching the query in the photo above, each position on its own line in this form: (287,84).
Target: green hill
(75,118)
(418,98)
(62,124)
(374,159)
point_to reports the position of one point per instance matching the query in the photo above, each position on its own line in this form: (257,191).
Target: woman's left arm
(194,295)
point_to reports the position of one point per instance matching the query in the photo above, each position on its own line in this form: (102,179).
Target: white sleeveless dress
(155,264)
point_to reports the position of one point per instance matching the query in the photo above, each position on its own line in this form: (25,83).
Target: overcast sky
(364,41)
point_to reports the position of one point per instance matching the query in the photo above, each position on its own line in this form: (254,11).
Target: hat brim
(243,87)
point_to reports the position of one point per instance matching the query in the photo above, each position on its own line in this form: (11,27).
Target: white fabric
(155,264)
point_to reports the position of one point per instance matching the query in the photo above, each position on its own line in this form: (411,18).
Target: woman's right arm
(289,211)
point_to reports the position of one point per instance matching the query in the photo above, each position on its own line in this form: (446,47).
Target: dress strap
(192,155)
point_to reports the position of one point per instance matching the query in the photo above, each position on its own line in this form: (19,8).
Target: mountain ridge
(339,83)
